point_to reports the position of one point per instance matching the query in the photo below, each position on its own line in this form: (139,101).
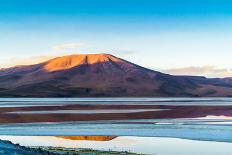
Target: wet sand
(7,114)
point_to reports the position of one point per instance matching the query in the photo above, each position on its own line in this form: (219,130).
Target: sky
(190,37)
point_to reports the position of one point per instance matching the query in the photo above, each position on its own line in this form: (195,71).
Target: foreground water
(144,145)
(214,130)
(209,135)
(200,129)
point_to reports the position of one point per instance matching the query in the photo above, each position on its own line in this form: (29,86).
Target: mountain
(103,75)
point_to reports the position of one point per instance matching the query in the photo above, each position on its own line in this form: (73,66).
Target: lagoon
(142,125)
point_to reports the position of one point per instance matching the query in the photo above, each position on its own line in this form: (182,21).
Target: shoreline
(8,147)
(139,145)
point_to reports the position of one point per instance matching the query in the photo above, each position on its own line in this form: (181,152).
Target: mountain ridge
(103,75)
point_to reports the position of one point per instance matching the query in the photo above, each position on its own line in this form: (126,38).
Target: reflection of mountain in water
(92,138)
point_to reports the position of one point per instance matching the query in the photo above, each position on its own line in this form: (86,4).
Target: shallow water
(15,102)
(188,129)
(199,129)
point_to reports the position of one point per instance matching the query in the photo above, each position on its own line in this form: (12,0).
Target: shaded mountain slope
(102,75)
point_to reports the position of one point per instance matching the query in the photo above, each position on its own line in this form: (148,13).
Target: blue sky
(166,35)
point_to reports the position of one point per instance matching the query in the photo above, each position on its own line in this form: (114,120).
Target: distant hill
(103,75)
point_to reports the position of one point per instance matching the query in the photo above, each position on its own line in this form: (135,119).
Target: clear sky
(174,36)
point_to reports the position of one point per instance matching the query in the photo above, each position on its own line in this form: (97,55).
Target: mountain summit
(102,75)
(71,61)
